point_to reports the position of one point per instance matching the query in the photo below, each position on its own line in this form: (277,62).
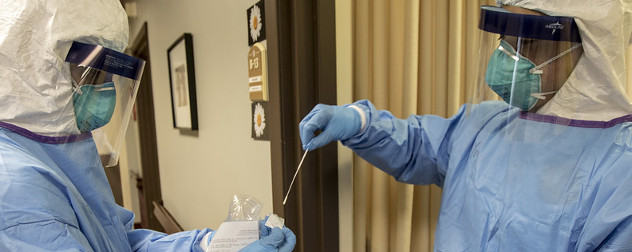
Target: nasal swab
(297,169)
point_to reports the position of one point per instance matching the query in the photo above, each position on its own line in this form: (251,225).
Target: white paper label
(254,79)
(233,236)
(275,221)
(255,88)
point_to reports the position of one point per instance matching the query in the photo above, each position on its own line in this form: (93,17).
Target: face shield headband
(105,83)
(500,21)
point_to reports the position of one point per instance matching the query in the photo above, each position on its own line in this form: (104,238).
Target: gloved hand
(276,239)
(336,123)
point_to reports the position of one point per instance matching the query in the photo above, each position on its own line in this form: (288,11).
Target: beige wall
(344,91)
(200,174)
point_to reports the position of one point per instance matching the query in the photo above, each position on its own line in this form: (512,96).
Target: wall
(344,91)
(199,174)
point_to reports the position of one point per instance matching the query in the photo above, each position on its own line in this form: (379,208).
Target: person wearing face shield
(66,95)
(539,160)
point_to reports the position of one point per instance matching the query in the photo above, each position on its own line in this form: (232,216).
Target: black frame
(187,39)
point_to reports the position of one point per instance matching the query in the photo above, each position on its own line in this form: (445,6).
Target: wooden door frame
(151,191)
(302,73)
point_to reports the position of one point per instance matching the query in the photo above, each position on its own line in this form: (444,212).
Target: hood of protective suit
(35,36)
(595,90)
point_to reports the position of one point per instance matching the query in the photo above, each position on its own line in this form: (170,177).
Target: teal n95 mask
(105,83)
(94,105)
(515,78)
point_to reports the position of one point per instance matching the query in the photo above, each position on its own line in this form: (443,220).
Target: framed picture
(182,80)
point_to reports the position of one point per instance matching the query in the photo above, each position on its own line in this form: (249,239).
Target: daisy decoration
(255,22)
(259,120)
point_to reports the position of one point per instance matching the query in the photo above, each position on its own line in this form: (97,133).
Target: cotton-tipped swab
(297,169)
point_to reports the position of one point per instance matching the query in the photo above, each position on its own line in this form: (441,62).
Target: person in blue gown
(54,195)
(544,165)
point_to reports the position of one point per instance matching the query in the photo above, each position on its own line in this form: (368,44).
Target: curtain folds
(410,57)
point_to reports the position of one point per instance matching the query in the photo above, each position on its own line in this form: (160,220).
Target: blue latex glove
(263,229)
(276,239)
(336,123)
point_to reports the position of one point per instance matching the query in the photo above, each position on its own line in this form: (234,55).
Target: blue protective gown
(512,181)
(54,196)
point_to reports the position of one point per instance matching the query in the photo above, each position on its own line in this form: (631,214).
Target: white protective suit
(596,88)
(36,88)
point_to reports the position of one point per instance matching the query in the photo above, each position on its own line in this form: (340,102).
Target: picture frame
(182,83)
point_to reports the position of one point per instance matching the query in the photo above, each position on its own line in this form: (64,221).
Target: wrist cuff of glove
(362,116)
(206,240)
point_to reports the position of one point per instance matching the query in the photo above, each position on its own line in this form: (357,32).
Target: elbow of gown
(145,240)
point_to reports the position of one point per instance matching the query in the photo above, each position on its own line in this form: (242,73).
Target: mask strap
(540,96)
(76,88)
(538,68)
(515,57)
(75,85)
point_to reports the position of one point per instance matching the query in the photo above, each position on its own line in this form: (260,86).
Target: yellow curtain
(410,57)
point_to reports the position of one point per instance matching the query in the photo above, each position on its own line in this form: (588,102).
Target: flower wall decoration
(259,120)
(259,127)
(256,23)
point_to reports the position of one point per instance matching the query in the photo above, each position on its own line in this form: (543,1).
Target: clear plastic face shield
(516,153)
(105,83)
(524,57)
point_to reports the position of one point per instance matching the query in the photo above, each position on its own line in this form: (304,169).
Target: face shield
(524,58)
(518,155)
(104,87)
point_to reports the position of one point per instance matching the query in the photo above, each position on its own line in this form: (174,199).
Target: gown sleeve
(150,240)
(45,221)
(414,150)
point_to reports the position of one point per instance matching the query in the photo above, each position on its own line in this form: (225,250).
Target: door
(149,182)
(302,73)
